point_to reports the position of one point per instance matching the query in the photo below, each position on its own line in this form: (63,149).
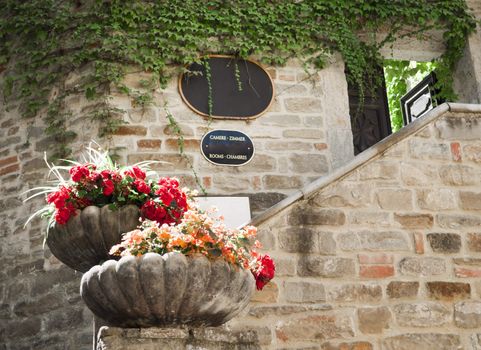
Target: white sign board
(236,210)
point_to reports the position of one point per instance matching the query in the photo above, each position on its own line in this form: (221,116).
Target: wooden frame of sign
(228,102)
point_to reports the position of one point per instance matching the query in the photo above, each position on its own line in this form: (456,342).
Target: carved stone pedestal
(110,338)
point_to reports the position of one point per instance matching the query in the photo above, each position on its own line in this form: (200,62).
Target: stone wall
(304,135)
(386,256)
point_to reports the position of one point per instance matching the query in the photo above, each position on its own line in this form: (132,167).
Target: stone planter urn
(166,290)
(85,240)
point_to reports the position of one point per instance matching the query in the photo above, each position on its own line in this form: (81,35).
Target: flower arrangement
(99,181)
(170,219)
(200,233)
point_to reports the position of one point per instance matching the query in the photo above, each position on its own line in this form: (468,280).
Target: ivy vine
(43,41)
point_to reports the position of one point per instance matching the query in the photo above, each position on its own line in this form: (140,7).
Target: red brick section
(189,145)
(372,259)
(320,146)
(151,144)
(418,243)
(9,160)
(131,130)
(456,151)
(9,165)
(207,181)
(376,271)
(464,272)
(376,265)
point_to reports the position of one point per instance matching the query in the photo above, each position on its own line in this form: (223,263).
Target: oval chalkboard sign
(227,147)
(242,95)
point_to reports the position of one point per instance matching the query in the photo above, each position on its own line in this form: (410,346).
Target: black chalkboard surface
(244,98)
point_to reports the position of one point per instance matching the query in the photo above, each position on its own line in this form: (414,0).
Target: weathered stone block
(285,266)
(394,199)
(467,314)
(369,218)
(304,215)
(269,294)
(401,289)
(427,314)
(343,195)
(358,345)
(281,182)
(315,327)
(262,163)
(142,115)
(438,199)
(422,266)
(456,221)
(305,163)
(304,292)
(313,134)
(373,320)
(459,128)
(473,152)
(288,146)
(39,306)
(425,341)
(474,242)
(458,175)
(312,265)
(380,170)
(303,104)
(444,242)
(417,174)
(414,220)
(282,310)
(170,161)
(421,149)
(280,119)
(306,240)
(470,200)
(376,241)
(448,290)
(363,293)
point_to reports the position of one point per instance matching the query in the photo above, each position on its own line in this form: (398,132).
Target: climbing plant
(43,41)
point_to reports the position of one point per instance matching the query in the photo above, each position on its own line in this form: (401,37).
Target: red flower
(264,272)
(62,215)
(169,182)
(60,197)
(79,172)
(142,186)
(108,187)
(154,211)
(166,197)
(135,173)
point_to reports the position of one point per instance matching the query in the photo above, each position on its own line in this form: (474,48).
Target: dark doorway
(371,123)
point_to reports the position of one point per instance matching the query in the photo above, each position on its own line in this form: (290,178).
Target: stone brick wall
(302,136)
(387,256)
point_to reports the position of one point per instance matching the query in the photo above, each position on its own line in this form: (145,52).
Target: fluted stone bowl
(85,240)
(166,290)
